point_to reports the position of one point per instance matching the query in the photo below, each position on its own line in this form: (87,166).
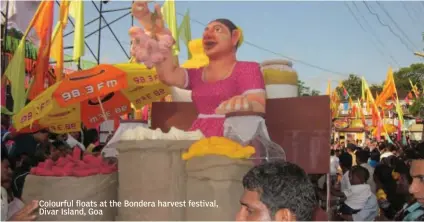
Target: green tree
(417,110)
(303,90)
(353,86)
(315,92)
(415,73)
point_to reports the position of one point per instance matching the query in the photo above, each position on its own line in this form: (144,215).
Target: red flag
(43,26)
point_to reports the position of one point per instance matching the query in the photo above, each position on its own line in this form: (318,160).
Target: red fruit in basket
(57,171)
(69,157)
(41,165)
(76,153)
(104,170)
(81,173)
(44,172)
(69,165)
(61,161)
(33,171)
(67,172)
(48,164)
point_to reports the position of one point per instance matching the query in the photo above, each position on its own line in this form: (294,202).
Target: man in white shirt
(334,166)
(362,160)
(389,150)
(345,160)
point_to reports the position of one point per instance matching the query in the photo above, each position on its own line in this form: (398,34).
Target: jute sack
(151,172)
(48,190)
(214,180)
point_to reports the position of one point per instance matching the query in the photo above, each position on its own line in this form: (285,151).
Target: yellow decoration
(199,58)
(273,76)
(241,40)
(357,123)
(381,195)
(218,146)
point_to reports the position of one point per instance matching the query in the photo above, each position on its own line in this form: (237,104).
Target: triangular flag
(76,10)
(15,72)
(170,17)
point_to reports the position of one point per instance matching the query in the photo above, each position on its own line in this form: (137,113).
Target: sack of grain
(78,192)
(151,171)
(214,187)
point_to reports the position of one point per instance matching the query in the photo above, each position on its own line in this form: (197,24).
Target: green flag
(184,31)
(169,16)
(15,72)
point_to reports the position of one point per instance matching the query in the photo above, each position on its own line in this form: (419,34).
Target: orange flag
(43,27)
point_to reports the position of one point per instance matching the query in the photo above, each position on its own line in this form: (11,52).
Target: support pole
(100,31)
(4,57)
(110,29)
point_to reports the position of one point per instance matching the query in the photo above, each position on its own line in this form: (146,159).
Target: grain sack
(215,178)
(151,171)
(95,188)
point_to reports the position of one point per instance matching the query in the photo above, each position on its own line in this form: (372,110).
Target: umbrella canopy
(92,96)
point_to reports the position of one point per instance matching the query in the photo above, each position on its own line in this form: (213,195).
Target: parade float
(168,172)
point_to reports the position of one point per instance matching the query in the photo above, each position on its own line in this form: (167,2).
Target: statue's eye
(218,29)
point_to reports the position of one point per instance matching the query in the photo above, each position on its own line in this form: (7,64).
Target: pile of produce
(218,146)
(72,165)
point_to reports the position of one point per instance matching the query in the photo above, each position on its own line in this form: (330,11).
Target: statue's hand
(235,104)
(150,21)
(141,12)
(147,50)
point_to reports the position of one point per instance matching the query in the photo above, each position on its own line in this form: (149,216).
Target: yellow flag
(76,10)
(329,87)
(15,72)
(170,17)
(56,50)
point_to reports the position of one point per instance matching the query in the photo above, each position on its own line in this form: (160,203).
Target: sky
(322,38)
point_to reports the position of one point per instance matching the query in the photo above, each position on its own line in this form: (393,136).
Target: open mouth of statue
(209,44)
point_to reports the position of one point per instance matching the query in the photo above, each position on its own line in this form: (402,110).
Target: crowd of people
(377,181)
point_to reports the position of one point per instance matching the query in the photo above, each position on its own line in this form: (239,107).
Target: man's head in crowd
(362,157)
(351,147)
(277,191)
(417,174)
(358,175)
(345,161)
(6,172)
(41,136)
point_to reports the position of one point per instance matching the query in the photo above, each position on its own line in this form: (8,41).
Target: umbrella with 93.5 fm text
(92,96)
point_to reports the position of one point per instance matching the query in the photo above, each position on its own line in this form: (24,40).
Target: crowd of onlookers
(376,181)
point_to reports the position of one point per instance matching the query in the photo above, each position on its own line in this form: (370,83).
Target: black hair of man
(375,155)
(362,156)
(345,160)
(351,147)
(360,172)
(283,185)
(4,154)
